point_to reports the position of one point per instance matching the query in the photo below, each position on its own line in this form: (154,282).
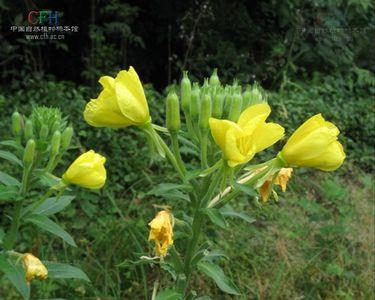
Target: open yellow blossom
(121,103)
(251,134)
(161,232)
(87,171)
(281,180)
(34,267)
(314,144)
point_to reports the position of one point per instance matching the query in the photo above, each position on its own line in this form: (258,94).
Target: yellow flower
(34,267)
(314,144)
(281,179)
(121,103)
(251,134)
(87,171)
(161,232)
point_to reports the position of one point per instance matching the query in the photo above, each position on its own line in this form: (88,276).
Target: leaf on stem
(47,224)
(16,275)
(60,270)
(8,180)
(215,216)
(216,274)
(9,156)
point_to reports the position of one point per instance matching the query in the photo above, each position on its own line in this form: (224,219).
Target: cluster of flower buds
(44,135)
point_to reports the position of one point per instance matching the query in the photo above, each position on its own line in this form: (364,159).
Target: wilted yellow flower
(281,180)
(121,103)
(87,171)
(161,232)
(251,134)
(34,267)
(314,144)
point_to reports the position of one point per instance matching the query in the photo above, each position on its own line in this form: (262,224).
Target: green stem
(11,236)
(204,141)
(176,151)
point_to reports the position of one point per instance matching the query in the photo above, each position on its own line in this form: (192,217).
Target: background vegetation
(317,242)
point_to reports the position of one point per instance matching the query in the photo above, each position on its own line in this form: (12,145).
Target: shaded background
(316,242)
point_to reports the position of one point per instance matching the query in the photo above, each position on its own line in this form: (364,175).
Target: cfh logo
(43,17)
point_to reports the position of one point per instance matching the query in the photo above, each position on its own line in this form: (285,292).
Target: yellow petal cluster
(281,180)
(121,103)
(161,232)
(87,171)
(34,267)
(251,134)
(314,144)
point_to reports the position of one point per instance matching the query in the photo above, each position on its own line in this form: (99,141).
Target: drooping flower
(314,144)
(281,180)
(87,171)
(121,103)
(34,267)
(161,232)
(251,134)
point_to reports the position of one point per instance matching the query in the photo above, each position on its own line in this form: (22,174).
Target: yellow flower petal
(262,110)
(161,232)
(87,171)
(33,267)
(131,97)
(266,135)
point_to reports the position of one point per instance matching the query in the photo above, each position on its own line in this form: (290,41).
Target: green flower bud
(235,108)
(214,79)
(256,95)
(66,138)
(29,130)
(205,113)
(195,103)
(16,123)
(173,122)
(218,104)
(227,103)
(43,133)
(28,154)
(185,93)
(246,98)
(55,143)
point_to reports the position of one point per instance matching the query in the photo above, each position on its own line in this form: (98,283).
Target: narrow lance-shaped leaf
(47,224)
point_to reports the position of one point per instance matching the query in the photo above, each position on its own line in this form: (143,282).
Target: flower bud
(55,143)
(43,133)
(16,123)
(214,79)
(66,138)
(29,130)
(28,154)
(235,108)
(185,93)
(246,97)
(195,103)
(34,268)
(205,113)
(173,122)
(218,103)
(256,96)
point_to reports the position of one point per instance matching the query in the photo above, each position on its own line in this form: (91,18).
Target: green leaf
(11,143)
(8,180)
(8,193)
(168,295)
(9,156)
(216,273)
(170,191)
(50,206)
(16,274)
(248,190)
(47,224)
(60,270)
(215,216)
(228,211)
